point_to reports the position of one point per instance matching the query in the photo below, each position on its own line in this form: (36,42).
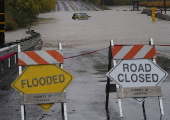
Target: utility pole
(2,22)
(165,6)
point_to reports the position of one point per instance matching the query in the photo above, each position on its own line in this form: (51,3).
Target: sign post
(109,87)
(63,104)
(23,113)
(153,13)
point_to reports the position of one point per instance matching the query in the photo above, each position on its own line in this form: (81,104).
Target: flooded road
(86,94)
(124,27)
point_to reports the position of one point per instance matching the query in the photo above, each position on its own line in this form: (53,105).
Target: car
(80,16)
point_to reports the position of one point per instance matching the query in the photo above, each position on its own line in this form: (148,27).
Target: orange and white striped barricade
(43,58)
(129,54)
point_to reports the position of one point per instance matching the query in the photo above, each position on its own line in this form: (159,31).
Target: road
(75,6)
(86,94)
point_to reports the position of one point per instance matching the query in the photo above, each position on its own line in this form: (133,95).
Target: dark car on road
(80,16)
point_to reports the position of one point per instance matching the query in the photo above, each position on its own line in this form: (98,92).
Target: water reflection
(161,117)
(107,114)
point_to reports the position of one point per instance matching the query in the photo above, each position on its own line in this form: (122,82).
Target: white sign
(138,72)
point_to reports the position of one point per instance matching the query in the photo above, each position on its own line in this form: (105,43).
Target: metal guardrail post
(12,60)
(5,64)
(165,6)
(0,65)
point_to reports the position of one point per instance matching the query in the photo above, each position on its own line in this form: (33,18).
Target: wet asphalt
(85,95)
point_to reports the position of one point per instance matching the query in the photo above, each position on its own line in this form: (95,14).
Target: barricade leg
(117,86)
(107,94)
(23,112)
(23,117)
(62,110)
(120,105)
(63,105)
(161,105)
(65,111)
(143,106)
(108,79)
(159,98)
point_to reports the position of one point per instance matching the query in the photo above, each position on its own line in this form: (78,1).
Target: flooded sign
(42,79)
(138,72)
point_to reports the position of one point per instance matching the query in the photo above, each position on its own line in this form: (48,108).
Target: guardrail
(8,54)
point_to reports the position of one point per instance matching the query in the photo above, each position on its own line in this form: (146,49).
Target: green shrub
(22,18)
(23,12)
(10,24)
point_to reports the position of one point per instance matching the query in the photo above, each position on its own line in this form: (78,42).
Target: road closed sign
(137,72)
(42,79)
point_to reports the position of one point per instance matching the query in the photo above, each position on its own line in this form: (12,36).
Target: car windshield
(81,14)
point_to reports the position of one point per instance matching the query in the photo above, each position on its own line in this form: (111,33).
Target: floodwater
(86,94)
(124,27)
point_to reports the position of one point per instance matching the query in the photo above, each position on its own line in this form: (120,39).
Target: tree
(23,11)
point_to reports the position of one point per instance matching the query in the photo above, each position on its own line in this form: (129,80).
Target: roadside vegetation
(20,13)
(104,3)
(111,2)
(146,3)
(159,4)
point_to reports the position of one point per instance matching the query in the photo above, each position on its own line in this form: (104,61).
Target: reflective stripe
(133,52)
(2,13)
(2,30)
(39,57)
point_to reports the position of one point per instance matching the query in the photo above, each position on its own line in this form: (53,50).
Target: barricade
(135,61)
(42,82)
